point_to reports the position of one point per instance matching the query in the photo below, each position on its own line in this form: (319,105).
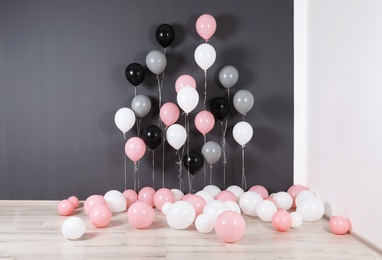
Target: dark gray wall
(62,80)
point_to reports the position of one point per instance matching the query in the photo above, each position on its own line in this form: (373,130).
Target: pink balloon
(294,190)
(261,190)
(65,207)
(226,195)
(169,113)
(281,220)
(197,202)
(100,216)
(74,200)
(94,201)
(204,121)
(186,196)
(135,148)
(339,225)
(140,214)
(183,81)
(230,226)
(206,26)
(131,197)
(146,195)
(162,196)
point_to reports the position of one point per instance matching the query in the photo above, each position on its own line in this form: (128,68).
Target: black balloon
(152,136)
(165,35)
(193,162)
(219,107)
(135,73)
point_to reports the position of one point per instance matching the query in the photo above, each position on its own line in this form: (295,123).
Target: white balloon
(124,119)
(311,209)
(265,210)
(283,200)
(231,205)
(187,98)
(73,228)
(178,194)
(115,200)
(166,206)
(242,132)
(214,209)
(213,190)
(205,56)
(236,190)
(176,136)
(204,223)
(205,195)
(296,219)
(181,215)
(248,202)
(305,194)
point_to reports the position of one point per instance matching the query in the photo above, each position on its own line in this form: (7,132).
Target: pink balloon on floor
(294,190)
(135,148)
(74,200)
(100,216)
(183,81)
(339,225)
(261,190)
(93,201)
(169,113)
(226,195)
(65,207)
(204,121)
(162,196)
(197,202)
(230,226)
(140,215)
(146,195)
(281,220)
(131,197)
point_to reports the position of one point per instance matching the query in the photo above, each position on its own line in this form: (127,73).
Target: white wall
(343,101)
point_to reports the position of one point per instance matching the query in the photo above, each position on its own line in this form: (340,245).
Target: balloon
(304,194)
(339,225)
(74,200)
(152,136)
(115,201)
(260,190)
(230,226)
(124,119)
(232,205)
(162,196)
(146,195)
(197,202)
(204,122)
(228,76)
(184,81)
(226,195)
(212,189)
(100,216)
(206,26)
(178,194)
(294,190)
(243,101)
(214,208)
(156,62)
(238,191)
(169,113)
(242,132)
(135,148)
(211,152)
(166,206)
(204,223)
(311,209)
(140,215)
(187,98)
(283,200)
(248,202)
(131,197)
(265,210)
(65,207)
(141,105)
(94,201)
(73,228)
(193,162)
(181,215)
(205,195)
(205,56)
(281,220)
(135,73)
(296,219)
(219,107)
(165,35)
(176,136)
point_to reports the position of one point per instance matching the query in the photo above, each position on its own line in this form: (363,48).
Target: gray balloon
(243,101)
(211,152)
(228,76)
(156,62)
(141,105)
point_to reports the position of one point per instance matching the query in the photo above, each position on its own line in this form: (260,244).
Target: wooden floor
(32,230)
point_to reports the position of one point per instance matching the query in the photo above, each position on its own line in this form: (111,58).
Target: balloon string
(179,163)
(138,126)
(204,165)
(135,176)
(160,94)
(125,156)
(205,90)
(224,128)
(163,151)
(153,162)
(191,179)
(243,179)
(211,174)
(135,91)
